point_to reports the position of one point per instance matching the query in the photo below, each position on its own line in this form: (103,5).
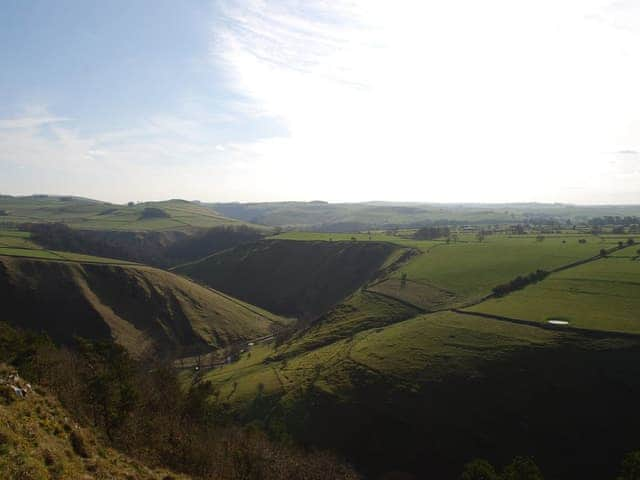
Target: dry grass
(39,440)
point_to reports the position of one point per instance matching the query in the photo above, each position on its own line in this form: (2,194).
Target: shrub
(522,468)
(479,470)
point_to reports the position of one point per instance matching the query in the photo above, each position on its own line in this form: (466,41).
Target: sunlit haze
(435,101)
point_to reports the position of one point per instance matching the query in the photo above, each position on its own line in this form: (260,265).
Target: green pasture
(599,295)
(471,269)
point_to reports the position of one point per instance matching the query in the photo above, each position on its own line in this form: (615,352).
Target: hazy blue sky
(341,100)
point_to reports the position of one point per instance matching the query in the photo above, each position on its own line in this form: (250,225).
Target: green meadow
(600,295)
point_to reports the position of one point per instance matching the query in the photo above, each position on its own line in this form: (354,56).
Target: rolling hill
(351,217)
(87,214)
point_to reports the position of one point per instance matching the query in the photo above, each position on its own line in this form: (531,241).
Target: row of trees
(615,220)
(524,468)
(520,282)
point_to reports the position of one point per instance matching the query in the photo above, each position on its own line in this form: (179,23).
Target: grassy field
(600,295)
(178,215)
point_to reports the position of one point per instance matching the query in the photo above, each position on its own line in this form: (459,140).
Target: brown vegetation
(141,409)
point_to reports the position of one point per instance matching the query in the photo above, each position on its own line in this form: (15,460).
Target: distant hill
(350,217)
(139,307)
(86,214)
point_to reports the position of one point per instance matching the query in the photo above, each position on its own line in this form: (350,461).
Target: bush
(522,468)
(479,470)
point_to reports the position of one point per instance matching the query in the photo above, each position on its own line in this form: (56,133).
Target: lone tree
(403,280)
(603,252)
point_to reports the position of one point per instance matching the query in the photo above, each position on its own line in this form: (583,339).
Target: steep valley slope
(139,307)
(292,278)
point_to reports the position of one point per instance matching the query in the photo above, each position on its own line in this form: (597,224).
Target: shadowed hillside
(139,307)
(159,248)
(302,279)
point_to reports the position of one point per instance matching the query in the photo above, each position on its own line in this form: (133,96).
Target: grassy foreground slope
(599,295)
(40,441)
(302,279)
(139,307)
(81,213)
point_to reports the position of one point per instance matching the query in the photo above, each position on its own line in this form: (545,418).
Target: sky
(336,100)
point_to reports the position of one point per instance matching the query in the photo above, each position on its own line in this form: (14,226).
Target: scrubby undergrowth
(108,402)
